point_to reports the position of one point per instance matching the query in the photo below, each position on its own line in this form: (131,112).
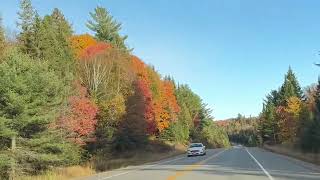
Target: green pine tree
(269,124)
(290,87)
(26,21)
(106,28)
(30,100)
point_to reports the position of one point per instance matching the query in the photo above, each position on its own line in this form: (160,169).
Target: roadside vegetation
(291,118)
(75,99)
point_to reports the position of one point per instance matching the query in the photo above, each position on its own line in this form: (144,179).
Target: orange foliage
(80,42)
(164,107)
(140,69)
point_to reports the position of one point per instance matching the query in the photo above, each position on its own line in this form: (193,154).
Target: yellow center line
(192,167)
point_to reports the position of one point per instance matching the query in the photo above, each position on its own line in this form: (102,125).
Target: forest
(242,130)
(291,115)
(68,98)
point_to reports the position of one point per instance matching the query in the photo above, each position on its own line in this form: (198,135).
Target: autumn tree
(106,28)
(80,42)
(109,118)
(105,71)
(167,108)
(133,129)
(80,120)
(94,50)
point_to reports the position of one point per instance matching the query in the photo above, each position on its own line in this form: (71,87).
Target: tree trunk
(13,164)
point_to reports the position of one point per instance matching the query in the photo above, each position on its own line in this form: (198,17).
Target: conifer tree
(26,17)
(290,87)
(106,28)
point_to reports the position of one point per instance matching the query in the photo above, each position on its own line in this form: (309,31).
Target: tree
(269,124)
(192,101)
(54,33)
(30,98)
(106,28)
(133,129)
(109,118)
(290,87)
(80,120)
(2,38)
(106,72)
(94,50)
(26,17)
(80,42)
(179,130)
(311,135)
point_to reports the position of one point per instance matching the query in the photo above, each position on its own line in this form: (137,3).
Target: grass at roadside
(153,152)
(62,173)
(290,150)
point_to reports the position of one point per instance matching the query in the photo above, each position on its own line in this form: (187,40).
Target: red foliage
(94,50)
(145,92)
(80,122)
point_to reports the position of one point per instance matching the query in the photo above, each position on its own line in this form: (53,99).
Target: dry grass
(153,152)
(62,174)
(290,150)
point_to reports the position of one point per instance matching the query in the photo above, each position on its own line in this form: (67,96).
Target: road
(237,163)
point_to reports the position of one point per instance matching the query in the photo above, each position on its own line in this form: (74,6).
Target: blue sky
(231,52)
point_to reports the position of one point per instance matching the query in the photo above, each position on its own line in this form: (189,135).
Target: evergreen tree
(26,17)
(269,125)
(274,97)
(313,133)
(290,87)
(30,98)
(106,28)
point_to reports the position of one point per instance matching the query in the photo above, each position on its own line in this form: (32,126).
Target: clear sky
(230,52)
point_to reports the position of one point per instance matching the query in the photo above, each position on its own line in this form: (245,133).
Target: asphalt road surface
(237,163)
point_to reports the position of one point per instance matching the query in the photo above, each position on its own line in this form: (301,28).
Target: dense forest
(242,130)
(291,115)
(65,97)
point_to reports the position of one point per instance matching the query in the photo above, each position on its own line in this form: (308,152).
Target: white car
(196,149)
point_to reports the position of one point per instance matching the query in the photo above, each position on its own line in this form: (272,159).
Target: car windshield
(195,145)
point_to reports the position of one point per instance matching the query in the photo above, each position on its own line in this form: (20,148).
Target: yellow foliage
(293,106)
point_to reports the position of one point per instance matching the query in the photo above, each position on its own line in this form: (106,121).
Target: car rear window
(195,145)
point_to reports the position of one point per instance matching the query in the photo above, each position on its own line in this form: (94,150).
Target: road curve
(237,163)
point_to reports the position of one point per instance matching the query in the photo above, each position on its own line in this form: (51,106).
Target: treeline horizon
(290,116)
(67,99)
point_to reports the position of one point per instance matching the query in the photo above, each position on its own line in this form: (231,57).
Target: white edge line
(264,170)
(143,167)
